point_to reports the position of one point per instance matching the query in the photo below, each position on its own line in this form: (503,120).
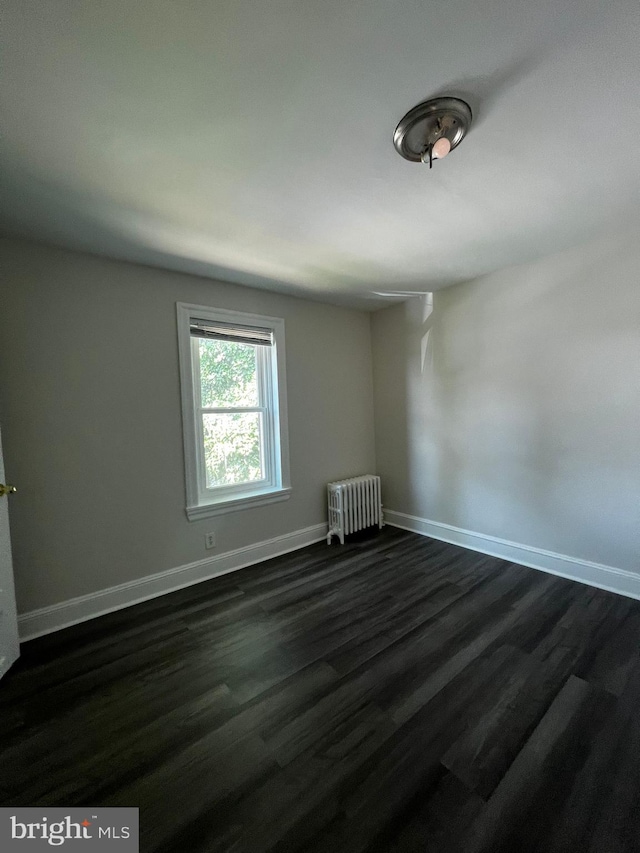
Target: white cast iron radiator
(353,505)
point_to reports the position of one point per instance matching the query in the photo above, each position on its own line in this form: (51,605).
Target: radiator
(353,505)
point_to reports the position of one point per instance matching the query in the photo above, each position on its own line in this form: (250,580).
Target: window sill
(194,513)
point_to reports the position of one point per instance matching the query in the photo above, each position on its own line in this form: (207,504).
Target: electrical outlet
(210,540)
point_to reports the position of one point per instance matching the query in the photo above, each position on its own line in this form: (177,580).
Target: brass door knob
(7,490)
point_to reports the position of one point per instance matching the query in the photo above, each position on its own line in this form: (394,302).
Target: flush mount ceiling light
(432,129)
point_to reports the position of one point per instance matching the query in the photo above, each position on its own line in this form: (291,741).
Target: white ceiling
(252,141)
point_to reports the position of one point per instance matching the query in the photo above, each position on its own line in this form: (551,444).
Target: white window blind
(231,332)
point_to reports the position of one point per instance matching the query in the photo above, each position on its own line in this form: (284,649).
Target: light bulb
(441,147)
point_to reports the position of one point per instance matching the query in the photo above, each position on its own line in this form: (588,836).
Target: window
(233,409)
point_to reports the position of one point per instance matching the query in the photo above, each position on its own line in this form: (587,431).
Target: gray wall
(524,420)
(91,422)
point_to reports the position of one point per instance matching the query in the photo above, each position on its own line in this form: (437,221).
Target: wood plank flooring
(394,694)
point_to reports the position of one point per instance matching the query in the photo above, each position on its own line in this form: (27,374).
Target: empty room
(320,426)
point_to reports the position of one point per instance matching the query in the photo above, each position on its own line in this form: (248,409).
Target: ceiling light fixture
(432,129)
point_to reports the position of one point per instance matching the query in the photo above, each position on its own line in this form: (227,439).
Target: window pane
(228,374)
(233,448)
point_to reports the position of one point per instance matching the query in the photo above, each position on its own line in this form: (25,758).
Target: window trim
(199,503)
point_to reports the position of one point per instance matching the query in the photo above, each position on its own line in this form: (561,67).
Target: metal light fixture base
(426,122)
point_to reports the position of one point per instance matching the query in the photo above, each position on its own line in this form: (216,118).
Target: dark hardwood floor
(394,694)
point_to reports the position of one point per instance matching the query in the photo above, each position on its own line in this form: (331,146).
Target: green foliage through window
(232,440)
(228,374)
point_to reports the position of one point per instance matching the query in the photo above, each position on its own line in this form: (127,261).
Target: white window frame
(201,501)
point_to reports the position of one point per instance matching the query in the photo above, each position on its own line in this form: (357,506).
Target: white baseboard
(75,610)
(583,571)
